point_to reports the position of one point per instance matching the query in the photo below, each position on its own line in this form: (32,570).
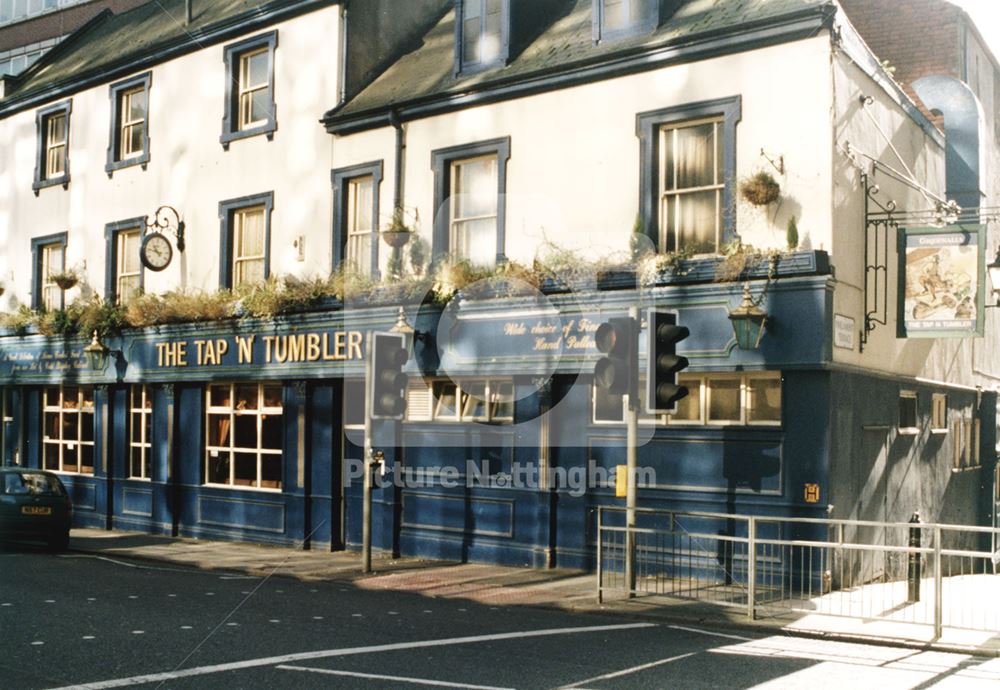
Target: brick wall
(917,37)
(55,24)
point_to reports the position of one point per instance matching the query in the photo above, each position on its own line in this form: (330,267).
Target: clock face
(156,252)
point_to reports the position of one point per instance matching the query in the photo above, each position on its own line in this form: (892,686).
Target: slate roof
(152,32)
(427,72)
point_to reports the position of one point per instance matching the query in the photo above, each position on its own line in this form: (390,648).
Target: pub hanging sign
(941,275)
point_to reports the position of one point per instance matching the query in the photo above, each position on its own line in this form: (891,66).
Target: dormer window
(481,33)
(615,19)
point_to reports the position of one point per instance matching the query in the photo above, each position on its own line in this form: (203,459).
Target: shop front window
(140,432)
(244,435)
(68,429)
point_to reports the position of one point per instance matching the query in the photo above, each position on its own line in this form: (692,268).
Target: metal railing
(928,574)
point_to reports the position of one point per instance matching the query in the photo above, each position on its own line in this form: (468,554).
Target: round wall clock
(156,252)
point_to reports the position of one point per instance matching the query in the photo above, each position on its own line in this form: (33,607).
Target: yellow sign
(812,493)
(621,480)
(335,346)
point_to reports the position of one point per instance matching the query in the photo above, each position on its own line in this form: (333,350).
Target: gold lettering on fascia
(547,336)
(335,346)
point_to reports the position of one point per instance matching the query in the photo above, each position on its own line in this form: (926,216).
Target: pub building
(506,133)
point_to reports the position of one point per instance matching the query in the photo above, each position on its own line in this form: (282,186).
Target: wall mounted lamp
(993,269)
(748,321)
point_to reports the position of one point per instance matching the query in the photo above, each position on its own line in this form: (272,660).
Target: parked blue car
(34,506)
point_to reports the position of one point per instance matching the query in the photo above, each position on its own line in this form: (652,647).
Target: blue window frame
(482,34)
(469,221)
(128,138)
(249,108)
(356,217)
(245,240)
(48,256)
(123,274)
(52,146)
(614,19)
(687,174)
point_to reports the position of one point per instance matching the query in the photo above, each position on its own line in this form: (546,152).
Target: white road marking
(397,679)
(138,632)
(232,625)
(136,566)
(172,595)
(347,651)
(88,637)
(186,627)
(628,671)
(6,603)
(50,601)
(713,634)
(132,596)
(317,618)
(37,642)
(274,620)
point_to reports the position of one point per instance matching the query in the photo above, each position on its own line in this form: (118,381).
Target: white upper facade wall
(188,168)
(574,168)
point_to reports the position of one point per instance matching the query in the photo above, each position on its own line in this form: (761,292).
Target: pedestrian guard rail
(923,573)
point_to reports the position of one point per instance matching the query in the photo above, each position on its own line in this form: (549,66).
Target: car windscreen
(30,483)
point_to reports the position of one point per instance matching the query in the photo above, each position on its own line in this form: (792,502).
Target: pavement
(567,590)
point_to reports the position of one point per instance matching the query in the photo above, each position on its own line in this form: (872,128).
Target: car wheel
(59,543)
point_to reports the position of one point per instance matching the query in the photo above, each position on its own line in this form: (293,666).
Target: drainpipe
(397,197)
(187,11)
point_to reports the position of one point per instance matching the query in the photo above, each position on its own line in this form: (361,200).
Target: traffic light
(388,384)
(617,372)
(663,362)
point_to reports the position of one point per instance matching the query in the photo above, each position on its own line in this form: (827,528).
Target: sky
(986,15)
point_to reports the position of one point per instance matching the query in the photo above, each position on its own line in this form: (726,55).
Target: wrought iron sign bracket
(880,222)
(166,220)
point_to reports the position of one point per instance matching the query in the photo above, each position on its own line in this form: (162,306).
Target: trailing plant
(282,295)
(760,189)
(179,306)
(740,259)
(53,322)
(18,321)
(418,255)
(653,265)
(96,314)
(792,234)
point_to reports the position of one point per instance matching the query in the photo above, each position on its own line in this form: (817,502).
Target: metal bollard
(913,561)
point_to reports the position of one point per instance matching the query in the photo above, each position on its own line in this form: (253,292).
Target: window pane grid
(248,246)
(140,432)
(478,400)
(691,186)
(127,265)
(244,435)
(51,263)
(55,145)
(68,429)
(360,224)
(133,123)
(474,205)
(253,88)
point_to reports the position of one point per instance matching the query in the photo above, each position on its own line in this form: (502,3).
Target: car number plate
(36,510)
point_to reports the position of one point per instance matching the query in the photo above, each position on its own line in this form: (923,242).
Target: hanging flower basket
(65,281)
(761,189)
(396,238)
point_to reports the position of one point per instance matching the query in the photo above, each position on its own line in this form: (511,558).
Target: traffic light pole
(631,458)
(366,522)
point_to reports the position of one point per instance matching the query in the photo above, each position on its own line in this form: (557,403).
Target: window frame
(646,23)
(63,444)
(233,411)
(112,232)
(503,53)
(702,381)
(227,211)
(38,247)
(939,413)
(908,430)
(493,401)
(341,180)
(442,161)
(145,442)
(233,55)
(42,118)
(117,93)
(648,130)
